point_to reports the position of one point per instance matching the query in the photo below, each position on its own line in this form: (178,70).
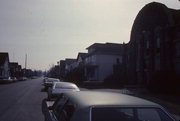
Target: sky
(52,30)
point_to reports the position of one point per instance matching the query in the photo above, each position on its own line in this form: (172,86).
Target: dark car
(103,106)
(6,80)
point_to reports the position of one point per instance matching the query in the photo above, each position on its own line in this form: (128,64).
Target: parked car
(22,78)
(14,78)
(6,80)
(49,81)
(45,78)
(60,87)
(103,106)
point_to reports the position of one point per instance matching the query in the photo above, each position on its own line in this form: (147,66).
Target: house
(4,65)
(70,64)
(81,59)
(62,69)
(20,72)
(14,69)
(101,59)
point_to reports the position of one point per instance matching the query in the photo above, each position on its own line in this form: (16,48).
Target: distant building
(4,65)
(154,48)
(81,60)
(14,69)
(62,69)
(70,64)
(155,43)
(101,59)
(20,72)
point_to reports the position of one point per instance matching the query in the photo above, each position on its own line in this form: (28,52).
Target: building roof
(82,55)
(13,64)
(150,17)
(62,62)
(107,48)
(3,57)
(176,15)
(100,45)
(69,61)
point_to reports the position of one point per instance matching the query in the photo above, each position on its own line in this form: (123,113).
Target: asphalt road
(21,101)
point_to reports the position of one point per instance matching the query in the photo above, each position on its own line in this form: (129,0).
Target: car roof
(94,98)
(65,84)
(84,101)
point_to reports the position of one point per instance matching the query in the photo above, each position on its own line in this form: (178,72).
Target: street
(21,101)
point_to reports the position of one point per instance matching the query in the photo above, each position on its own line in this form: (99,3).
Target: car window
(129,114)
(148,114)
(113,114)
(53,80)
(127,111)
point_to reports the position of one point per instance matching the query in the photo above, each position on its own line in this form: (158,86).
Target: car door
(64,110)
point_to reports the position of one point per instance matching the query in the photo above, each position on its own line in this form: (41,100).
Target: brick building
(154,45)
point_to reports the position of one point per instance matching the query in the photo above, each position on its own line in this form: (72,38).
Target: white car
(60,87)
(48,82)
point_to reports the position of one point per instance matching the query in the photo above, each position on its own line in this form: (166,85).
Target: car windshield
(129,114)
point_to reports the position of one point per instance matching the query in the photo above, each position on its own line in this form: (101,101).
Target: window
(157,62)
(152,115)
(92,73)
(158,43)
(112,114)
(148,115)
(147,44)
(117,61)
(178,53)
(128,114)
(1,72)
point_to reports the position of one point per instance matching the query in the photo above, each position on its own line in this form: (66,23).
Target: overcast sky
(52,30)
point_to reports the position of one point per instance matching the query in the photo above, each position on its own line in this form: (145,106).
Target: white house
(4,65)
(101,59)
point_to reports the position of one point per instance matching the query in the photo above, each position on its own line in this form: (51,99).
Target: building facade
(70,64)
(154,46)
(4,65)
(101,59)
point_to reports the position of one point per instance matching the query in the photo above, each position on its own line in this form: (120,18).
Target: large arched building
(154,44)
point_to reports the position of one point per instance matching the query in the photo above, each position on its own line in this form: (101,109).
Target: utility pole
(24,72)
(26,61)
(13,57)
